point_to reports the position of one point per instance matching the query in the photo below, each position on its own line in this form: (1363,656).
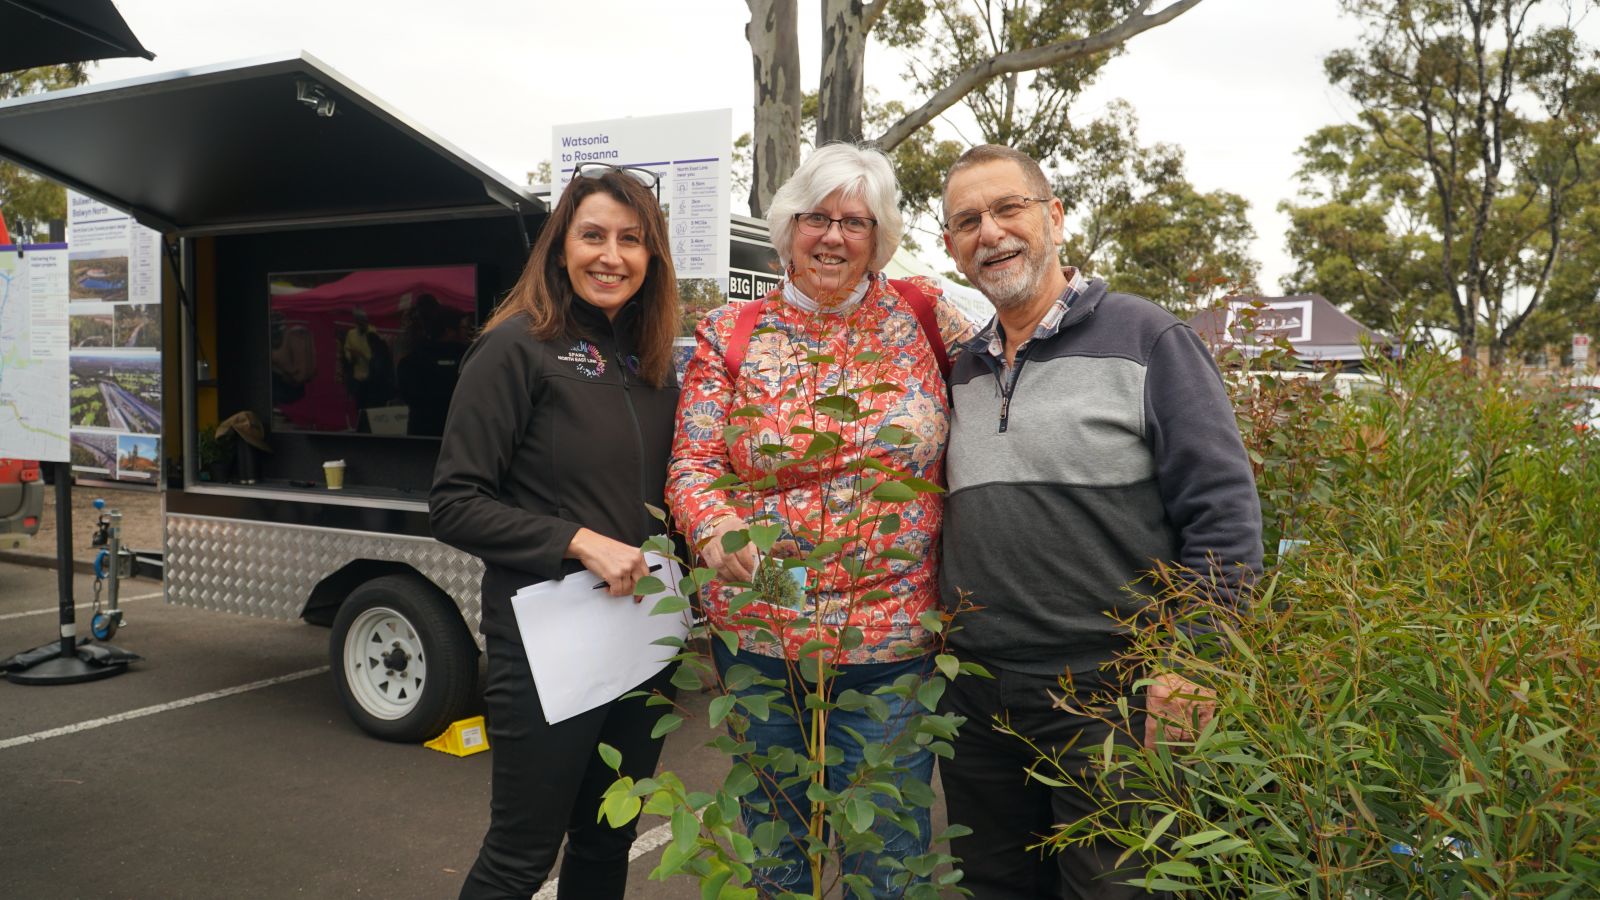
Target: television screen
(368,350)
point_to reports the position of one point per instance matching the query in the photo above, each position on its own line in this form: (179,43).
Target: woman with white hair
(835,327)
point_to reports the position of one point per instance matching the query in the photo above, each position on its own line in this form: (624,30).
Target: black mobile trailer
(282,167)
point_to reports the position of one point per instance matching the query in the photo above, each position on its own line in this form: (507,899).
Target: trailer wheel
(401,656)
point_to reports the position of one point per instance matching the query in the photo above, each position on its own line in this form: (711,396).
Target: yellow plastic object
(462,738)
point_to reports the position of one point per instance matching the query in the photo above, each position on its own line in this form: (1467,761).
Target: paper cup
(333,470)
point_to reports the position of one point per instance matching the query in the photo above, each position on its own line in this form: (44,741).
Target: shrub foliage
(1411,707)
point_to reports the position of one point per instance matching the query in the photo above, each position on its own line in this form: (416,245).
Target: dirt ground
(141,519)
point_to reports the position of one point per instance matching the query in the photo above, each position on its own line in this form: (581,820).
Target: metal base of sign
(64,670)
(69,665)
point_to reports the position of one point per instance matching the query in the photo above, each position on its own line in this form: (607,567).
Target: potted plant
(216,454)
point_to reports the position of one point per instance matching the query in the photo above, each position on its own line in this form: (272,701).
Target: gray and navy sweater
(1114,449)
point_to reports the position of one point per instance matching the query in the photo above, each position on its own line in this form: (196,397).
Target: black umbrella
(51,32)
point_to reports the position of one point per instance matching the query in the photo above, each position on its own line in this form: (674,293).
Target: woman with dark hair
(557,439)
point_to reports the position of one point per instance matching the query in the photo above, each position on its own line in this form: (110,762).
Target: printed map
(34,382)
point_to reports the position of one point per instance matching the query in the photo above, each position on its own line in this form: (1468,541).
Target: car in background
(1583,405)
(21,500)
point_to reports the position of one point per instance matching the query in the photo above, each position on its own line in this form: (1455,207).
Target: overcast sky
(1237,83)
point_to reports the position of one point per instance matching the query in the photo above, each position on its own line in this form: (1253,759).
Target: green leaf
(769,834)
(1159,830)
(656,512)
(620,808)
(922,485)
(898,553)
(860,814)
(894,435)
(610,755)
(893,492)
(764,536)
(711,887)
(668,605)
(648,585)
(665,725)
(889,524)
(734,541)
(947,664)
(720,707)
(929,693)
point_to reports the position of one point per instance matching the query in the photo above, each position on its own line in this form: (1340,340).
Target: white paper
(586,647)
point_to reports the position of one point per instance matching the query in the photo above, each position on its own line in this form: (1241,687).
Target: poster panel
(691,153)
(33,352)
(113,330)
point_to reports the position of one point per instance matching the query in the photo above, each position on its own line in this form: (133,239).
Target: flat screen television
(368,351)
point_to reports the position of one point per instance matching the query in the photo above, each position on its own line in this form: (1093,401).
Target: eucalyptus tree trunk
(845,24)
(775,54)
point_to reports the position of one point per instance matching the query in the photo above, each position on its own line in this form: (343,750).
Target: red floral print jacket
(781,378)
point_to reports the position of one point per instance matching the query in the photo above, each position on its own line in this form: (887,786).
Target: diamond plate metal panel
(268,569)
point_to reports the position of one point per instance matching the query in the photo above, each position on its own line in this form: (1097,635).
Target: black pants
(548,780)
(986,788)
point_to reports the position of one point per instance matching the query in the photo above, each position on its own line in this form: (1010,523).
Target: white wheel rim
(379,639)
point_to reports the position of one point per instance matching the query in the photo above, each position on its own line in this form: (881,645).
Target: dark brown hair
(545,292)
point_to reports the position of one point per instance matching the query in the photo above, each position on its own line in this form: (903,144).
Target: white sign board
(33,352)
(114,291)
(1289,318)
(1580,352)
(691,152)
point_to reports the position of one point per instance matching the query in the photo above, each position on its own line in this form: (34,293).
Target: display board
(33,352)
(692,154)
(114,307)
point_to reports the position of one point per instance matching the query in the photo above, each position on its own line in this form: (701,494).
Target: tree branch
(1025,60)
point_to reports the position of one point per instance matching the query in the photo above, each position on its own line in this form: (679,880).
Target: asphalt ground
(239,775)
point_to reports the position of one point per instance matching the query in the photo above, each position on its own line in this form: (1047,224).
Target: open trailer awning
(52,32)
(270,143)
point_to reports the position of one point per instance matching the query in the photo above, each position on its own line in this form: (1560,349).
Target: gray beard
(1014,290)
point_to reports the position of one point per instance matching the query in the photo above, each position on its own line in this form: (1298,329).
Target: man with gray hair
(1116,453)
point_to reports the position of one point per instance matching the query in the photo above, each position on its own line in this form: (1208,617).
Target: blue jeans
(781,730)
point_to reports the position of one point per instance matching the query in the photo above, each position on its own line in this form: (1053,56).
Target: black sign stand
(67,666)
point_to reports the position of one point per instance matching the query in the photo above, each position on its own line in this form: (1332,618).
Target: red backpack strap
(923,308)
(743,326)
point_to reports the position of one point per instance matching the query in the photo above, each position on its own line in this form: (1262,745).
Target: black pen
(654,568)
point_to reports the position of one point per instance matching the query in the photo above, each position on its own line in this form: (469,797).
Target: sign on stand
(691,152)
(1580,352)
(114,286)
(33,352)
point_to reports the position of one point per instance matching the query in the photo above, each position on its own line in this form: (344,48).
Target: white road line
(57,608)
(659,836)
(159,708)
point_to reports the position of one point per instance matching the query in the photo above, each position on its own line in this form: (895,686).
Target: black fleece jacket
(545,437)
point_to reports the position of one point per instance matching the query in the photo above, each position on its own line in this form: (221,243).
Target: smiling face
(604,253)
(828,266)
(1011,261)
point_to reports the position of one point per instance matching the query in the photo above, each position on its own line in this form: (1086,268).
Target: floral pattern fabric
(793,359)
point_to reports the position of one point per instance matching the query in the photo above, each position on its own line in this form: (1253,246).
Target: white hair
(860,173)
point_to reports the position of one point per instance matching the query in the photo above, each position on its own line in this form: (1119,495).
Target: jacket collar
(593,320)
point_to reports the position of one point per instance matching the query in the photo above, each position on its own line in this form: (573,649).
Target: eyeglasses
(854,227)
(646,177)
(968,220)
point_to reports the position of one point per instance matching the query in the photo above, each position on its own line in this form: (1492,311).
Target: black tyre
(402,658)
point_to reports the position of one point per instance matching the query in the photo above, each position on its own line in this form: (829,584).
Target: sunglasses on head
(646,177)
